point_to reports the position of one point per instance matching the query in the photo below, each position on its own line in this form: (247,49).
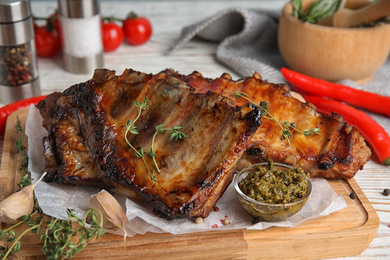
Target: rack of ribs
(86,144)
(338,152)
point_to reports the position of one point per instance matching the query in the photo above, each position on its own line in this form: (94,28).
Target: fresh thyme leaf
(25,181)
(240,94)
(129,123)
(308,132)
(161,129)
(153,176)
(177,127)
(176,135)
(151,153)
(141,105)
(264,106)
(131,127)
(305,132)
(140,153)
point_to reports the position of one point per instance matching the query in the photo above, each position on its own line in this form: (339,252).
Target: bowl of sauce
(272,191)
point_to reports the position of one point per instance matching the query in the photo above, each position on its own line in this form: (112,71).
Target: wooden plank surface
(347,232)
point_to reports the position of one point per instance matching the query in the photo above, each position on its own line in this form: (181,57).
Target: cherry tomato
(137,30)
(112,36)
(47,42)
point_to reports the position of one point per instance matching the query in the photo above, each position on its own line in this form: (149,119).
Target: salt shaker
(81,35)
(18,58)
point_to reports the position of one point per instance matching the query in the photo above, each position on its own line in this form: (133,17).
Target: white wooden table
(168,17)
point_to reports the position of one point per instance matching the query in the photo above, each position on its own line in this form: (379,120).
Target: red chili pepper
(364,99)
(6,110)
(374,133)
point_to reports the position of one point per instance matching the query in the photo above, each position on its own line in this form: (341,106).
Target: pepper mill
(81,35)
(18,59)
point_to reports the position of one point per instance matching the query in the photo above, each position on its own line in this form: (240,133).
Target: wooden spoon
(347,18)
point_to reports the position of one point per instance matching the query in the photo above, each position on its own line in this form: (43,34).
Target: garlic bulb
(112,211)
(18,204)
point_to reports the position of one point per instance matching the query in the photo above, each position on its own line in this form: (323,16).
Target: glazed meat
(338,152)
(89,140)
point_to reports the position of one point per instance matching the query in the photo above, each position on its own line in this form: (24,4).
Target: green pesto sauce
(271,184)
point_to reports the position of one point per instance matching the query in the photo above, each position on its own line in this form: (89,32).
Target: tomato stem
(111,19)
(132,15)
(387,161)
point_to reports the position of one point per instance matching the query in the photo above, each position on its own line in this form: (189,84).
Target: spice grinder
(81,35)
(18,60)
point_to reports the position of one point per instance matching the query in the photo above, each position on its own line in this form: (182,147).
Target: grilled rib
(338,152)
(86,141)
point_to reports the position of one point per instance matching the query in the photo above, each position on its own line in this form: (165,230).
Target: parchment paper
(55,199)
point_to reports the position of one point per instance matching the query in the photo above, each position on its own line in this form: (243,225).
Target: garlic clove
(18,204)
(113,213)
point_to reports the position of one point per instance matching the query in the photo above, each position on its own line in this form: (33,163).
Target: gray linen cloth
(248,42)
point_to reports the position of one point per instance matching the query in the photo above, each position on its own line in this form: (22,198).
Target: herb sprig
(57,240)
(22,150)
(285,126)
(317,10)
(132,128)
(34,221)
(174,135)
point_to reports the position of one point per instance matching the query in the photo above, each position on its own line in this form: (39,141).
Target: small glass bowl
(268,211)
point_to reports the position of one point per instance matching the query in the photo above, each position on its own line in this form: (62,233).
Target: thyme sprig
(11,236)
(285,126)
(57,240)
(132,128)
(174,135)
(22,150)
(305,132)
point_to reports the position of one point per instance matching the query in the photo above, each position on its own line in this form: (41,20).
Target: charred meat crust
(86,140)
(337,153)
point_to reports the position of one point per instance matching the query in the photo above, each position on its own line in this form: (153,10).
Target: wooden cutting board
(347,232)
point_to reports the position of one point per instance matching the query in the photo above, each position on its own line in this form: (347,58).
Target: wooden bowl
(332,53)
